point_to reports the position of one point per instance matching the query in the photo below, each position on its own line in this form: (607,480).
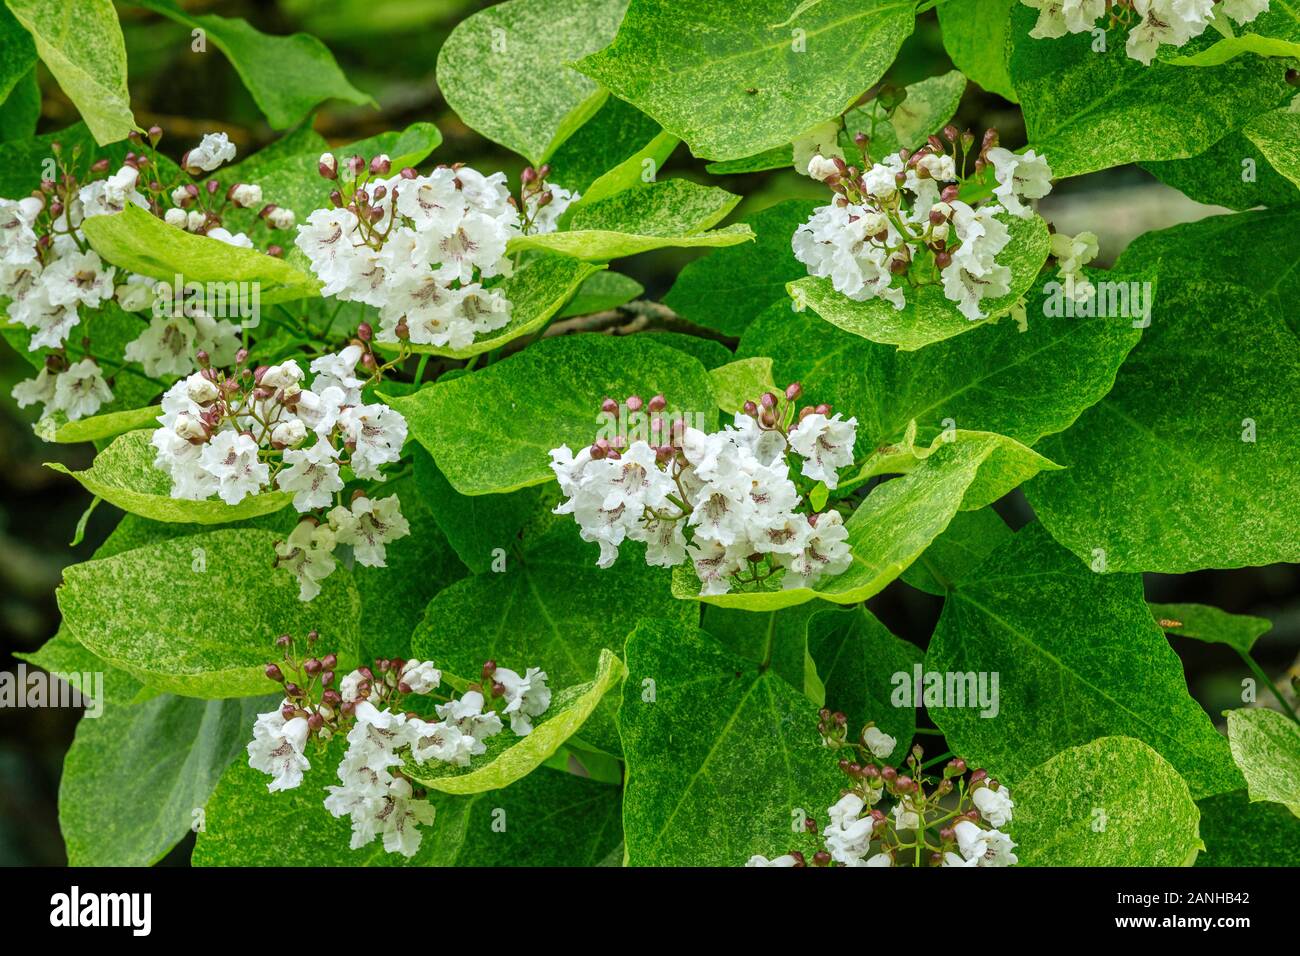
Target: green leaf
(1087,111)
(756,78)
(567,377)
(288,76)
(506,70)
(995,378)
(65,656)
(637,170)
(726,289)
(550,819)
(673,212)
(1266,746)
(143,243)
(929,105)
(899,519)
(777,157)
(1077,655)
(124,474)
(548,609)
(1275,134)
(196,615)
(929,316)
(617,133)
(481,529)
(1111,802)
(723,756)
(710,354)
(107,425)
(135,776)
(1164,490)
(508,758)
(21,111)
(536,291)
(1240,833)
(417,567)
(1275,32)
(1209,624)
(777,639)
(17,52)
(741,381)
(81,43)
(950,559)
(601,291)
(859,661)
(1219,176)
(975,34)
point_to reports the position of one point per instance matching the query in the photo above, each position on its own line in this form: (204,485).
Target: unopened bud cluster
(885,817)
(370,705)
(247,430)
(1150,23)
(730,501)
(898,224)
(52,277)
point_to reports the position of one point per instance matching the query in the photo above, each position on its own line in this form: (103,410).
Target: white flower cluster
(868,240)
(48,272)
(218,437)
(730,491)
(373,790)
(419,247)
(1158,21)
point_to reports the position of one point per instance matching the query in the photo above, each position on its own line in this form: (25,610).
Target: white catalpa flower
(420,676)
(368,526)
(17,238)
(546,218)
(106,197)
(1072,254)
(984,847)
(826,445)
(759,860)
(231,457)
(443,742)
(1019,177)
(1058,17)
(1160,23)
(848,835)
(339,369)
(277,749)
(307,554)
(468,716)
(166,348)
(824,551)
(905,816)
(36,390)
(879,743)
(213,150)
(375,435)
(526,697)
(312,474)
(1243,11)
(78,278)
(80,391)
(994,805)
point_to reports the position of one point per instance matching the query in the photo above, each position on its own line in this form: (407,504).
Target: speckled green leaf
(505,70)
(107,425)
(735,85)
(637,170)
(1209,624)
(21,110)
(741,381)
(508,758)
(778,639)
(928,105)
(17,52)
(970,537)
(1266,746)
(550,819)
(996,378)
(1275,134)
(708,352)
(1240,833)
(196,615)
(602,290)
(1111,802)
(479,528)
(928,316)
(1078,656)
(124,474)
(899,518)
(143,243)
(487,437)
(81,43)
(857,659)
(614,135)
(1234,172)
(726,289)
(287,75)
(1275,32)
(1087,111)
(721,753)
(64,655)
(672,212)
(548,609)
(1169,483)
(135,776)
(975,35)
(537,291)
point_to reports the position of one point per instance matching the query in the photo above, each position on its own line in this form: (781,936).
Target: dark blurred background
(389,48)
